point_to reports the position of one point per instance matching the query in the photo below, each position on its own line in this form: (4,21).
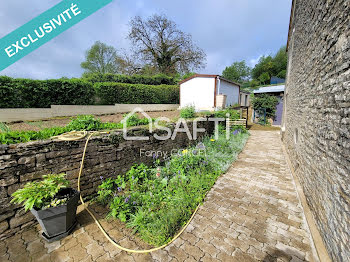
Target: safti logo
(180,127)
(44,27)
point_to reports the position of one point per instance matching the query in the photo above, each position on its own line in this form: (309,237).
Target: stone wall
(316,117)
(107,155)
(29,114)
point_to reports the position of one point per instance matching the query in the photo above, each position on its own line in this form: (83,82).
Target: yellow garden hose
(78,135)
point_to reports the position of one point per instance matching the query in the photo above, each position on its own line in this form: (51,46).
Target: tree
(238,72)
(269,66)
(157,41)
(269,102)
(101,58)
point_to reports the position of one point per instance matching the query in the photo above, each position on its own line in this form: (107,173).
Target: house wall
(230,90)
(317,116)
(106,156)
(198,91)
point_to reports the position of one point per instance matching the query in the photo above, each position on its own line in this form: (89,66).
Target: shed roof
(210,76)
(270,89)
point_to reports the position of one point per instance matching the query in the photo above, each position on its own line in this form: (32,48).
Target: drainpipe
(218,77)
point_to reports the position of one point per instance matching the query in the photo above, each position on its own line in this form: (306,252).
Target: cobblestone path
(251,214)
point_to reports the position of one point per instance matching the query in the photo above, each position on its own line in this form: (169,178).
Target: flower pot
(58,222)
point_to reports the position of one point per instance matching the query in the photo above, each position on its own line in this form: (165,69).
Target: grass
(157,201)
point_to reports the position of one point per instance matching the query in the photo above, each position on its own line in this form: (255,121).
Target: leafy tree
(101,58)
(238,72)
(265,101)
(269,66)
(157,41)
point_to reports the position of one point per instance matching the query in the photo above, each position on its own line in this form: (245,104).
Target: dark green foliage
(27,93)
(237,72)
(134,79)
(269,66)
(40,194)
(265,101)
(188,112)
(120,93)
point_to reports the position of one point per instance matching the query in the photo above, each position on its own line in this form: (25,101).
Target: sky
(227,31)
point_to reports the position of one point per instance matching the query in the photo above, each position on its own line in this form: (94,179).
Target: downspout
(218,77)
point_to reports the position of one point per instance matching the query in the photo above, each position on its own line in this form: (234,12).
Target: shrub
(265,101)
(119,93)
(233,114)
(40,194)
(134,79)
(188,112)
(27,93)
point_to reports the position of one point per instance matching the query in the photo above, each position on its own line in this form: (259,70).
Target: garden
(154,200)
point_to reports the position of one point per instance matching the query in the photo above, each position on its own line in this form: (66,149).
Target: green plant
(40,194)
(27,93)
(269,102)
(159,79)
(121,93)
(85,122)
(188,112)
(4,127)
(157,201)
(232,114)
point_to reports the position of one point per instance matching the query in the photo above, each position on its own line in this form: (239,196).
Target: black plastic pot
(58,222)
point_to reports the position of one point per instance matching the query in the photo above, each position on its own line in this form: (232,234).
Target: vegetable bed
(157,201)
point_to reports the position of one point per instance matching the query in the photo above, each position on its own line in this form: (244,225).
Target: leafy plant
(4,127)
(85,122)
(39,194)
(157,201)
(269,102)
(188,112)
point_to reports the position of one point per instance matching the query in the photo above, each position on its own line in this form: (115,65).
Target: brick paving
(251,214)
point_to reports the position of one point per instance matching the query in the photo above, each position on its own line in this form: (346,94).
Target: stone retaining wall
(107,155)
(29,114)
(317,115)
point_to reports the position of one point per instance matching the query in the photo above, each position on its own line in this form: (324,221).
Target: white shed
(201,91)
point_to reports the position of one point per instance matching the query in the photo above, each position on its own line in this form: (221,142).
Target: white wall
(230,90)
(198,91)
(29,114)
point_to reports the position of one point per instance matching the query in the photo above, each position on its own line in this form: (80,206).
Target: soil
(38,125)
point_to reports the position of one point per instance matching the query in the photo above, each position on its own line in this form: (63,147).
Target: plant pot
(58,222)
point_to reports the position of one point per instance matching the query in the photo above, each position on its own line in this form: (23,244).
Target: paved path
(251,214)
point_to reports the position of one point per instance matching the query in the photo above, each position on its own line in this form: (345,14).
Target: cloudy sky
(227,30)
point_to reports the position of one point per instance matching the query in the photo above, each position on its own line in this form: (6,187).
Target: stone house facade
(316,117)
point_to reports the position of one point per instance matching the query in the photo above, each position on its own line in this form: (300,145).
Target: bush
(27,93)
(233,114)
(134,79)
(265,101)
(188,112)
(119,93)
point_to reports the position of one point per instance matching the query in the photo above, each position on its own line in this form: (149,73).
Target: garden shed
(205,92)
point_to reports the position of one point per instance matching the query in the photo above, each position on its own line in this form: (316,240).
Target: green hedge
(135,79)
(120,93)
(27,93)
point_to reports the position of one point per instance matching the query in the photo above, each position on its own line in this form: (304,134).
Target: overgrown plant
(156,201)
(188,112)
(41,194)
